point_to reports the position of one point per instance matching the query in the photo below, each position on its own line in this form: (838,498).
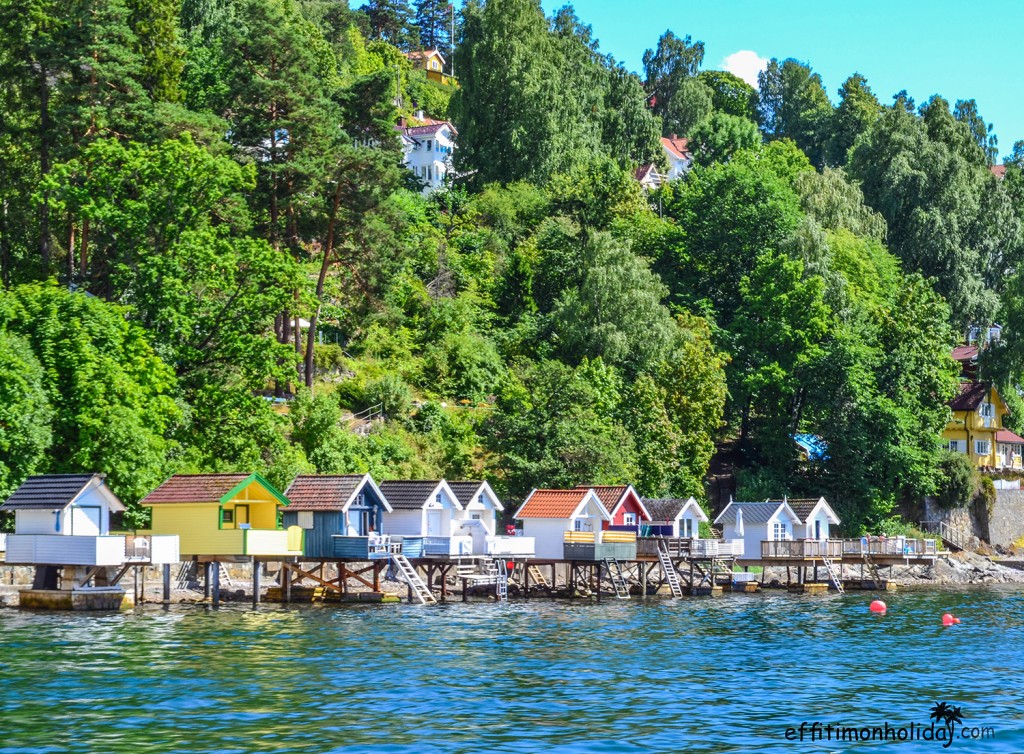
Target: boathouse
(623,503)
(569,525)
(816,518)
(754,523)
(223,515)
(64,520)
(478,520)
(341,515)
(425,516)
(675,517)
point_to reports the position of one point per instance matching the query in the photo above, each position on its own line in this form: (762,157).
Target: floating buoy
(948,619)
(510,565)
(878,606)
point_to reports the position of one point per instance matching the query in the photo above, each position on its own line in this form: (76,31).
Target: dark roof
(971,396)
(965,353)
(408,494)
(48,491)
(753,513)
(206,488)
(802,507)
(322,492)
(664,508)
(465,491)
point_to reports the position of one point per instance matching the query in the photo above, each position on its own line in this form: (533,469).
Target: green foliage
(730,95)
(718,137)
(25,413)
(391,394)
(792,104)
(959,481)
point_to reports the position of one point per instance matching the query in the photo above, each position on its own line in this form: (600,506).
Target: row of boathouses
(422,531)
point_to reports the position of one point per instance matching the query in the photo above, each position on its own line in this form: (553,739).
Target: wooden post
(255,583)
(552,577)
(206,581)
(167,583)
(286,575)
(408,593)
(526,581)
(376,576)
(214,570)
(465,597)
(596,568)
(789,580)
(135,584)
(142,583)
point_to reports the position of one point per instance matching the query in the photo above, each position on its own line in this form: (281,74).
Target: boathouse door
(433,523)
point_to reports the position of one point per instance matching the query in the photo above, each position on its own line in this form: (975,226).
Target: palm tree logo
(949,716)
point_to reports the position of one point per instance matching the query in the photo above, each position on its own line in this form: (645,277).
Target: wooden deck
(680,548)
(880,550)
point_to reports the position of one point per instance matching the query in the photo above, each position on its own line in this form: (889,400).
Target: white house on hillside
(678,157)
(427,151)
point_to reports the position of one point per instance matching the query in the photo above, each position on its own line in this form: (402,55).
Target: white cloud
(746,64)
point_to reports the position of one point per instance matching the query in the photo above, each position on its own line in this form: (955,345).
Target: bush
(959,481)
(329,357)
(464,366)
(391,392)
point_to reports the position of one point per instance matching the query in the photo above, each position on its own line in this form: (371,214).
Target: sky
(957,49)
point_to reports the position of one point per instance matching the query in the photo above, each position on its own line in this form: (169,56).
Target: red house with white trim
(623,503)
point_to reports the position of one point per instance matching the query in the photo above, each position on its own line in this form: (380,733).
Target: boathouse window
(629,519)
(780,530)
(304,519)
(476,516)
(227,516)
(982,447)
(578,524)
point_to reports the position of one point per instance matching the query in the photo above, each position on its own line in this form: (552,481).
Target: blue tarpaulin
(815,448)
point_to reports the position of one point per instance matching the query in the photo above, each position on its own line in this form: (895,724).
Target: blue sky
(957,49)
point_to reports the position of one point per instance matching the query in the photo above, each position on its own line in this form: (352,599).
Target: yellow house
(223,515)
(432,62)
(976,428)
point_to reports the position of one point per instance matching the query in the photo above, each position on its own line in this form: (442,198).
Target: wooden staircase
(537,576)
(667,568)
(409,576)
(614,569)
(833,574)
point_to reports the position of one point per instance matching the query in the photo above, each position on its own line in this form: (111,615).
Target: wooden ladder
(319,594)
(614,569)
(833,574)
(537,576)
(671,575)
(185,575)
(410,577)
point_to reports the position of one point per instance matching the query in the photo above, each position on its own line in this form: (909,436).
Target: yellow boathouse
(223,515)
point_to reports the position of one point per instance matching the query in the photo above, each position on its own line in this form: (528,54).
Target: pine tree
(434,20)
(392,21)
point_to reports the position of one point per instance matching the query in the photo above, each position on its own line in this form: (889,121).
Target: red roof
(999,171)
(608,494)
(322,492)
(965,353)
(552,503)
(680,148)
(971,396)
(194,488)
(1005,435)
(423,54)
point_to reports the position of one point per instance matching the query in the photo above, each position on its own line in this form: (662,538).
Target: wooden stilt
(215,573)
(526,581)
(255,583)
(444,583)
(286,575)
(788,579)
(376,576)
(167,583)
(206,581)
(596,571)
(465,596)
(142,583)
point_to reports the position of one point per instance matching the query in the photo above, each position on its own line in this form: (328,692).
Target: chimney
(673,136)
(401,122)
(420,115)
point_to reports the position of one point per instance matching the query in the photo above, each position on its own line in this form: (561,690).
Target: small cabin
(676,517)
(816,518)
(624,505)
(426,514)
(223,515)
(480,509)
(754,523)
(64,519)
(569,525)
(341,515)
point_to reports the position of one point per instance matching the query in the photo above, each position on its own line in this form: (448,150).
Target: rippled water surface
(710,675)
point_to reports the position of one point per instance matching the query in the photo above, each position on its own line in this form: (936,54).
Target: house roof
(614,495)
(327,492)
(412,494)
(50,491)
(965,353)
(206,488)
(678,148)
(424,54)
(466,492)
(670,508)
(642,172)
(554,503)
(971,395)
(429,129)
(804,508)
(999,171)
(753,513)
(1005,435)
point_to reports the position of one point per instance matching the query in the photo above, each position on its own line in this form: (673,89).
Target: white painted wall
(80,519)
(430,158)
(57,549)
(403,522)
(485,510)
(548,534)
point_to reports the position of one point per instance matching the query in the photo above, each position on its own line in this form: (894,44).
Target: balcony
(604,545)
(153,549)
(363,548)
(513,547)
(801,549)
(684,547)
(58,549)
(265,542)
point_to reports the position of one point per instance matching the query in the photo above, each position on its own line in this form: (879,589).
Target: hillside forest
(213,259)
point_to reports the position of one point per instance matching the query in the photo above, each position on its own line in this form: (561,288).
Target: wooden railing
(684,547)
(801,548)
(889,546)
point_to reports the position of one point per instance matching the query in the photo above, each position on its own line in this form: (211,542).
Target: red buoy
(878,606)
(948,620)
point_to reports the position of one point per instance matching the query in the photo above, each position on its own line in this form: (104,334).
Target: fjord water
(707,675)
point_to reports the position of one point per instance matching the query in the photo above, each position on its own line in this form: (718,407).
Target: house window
(982,447)
(227,516)
(578,525)
(304,519)
(687,532)
(629,519)
(986,410)
(476,517)
(437,497)
(957,446)
(429,145)
(780,530)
